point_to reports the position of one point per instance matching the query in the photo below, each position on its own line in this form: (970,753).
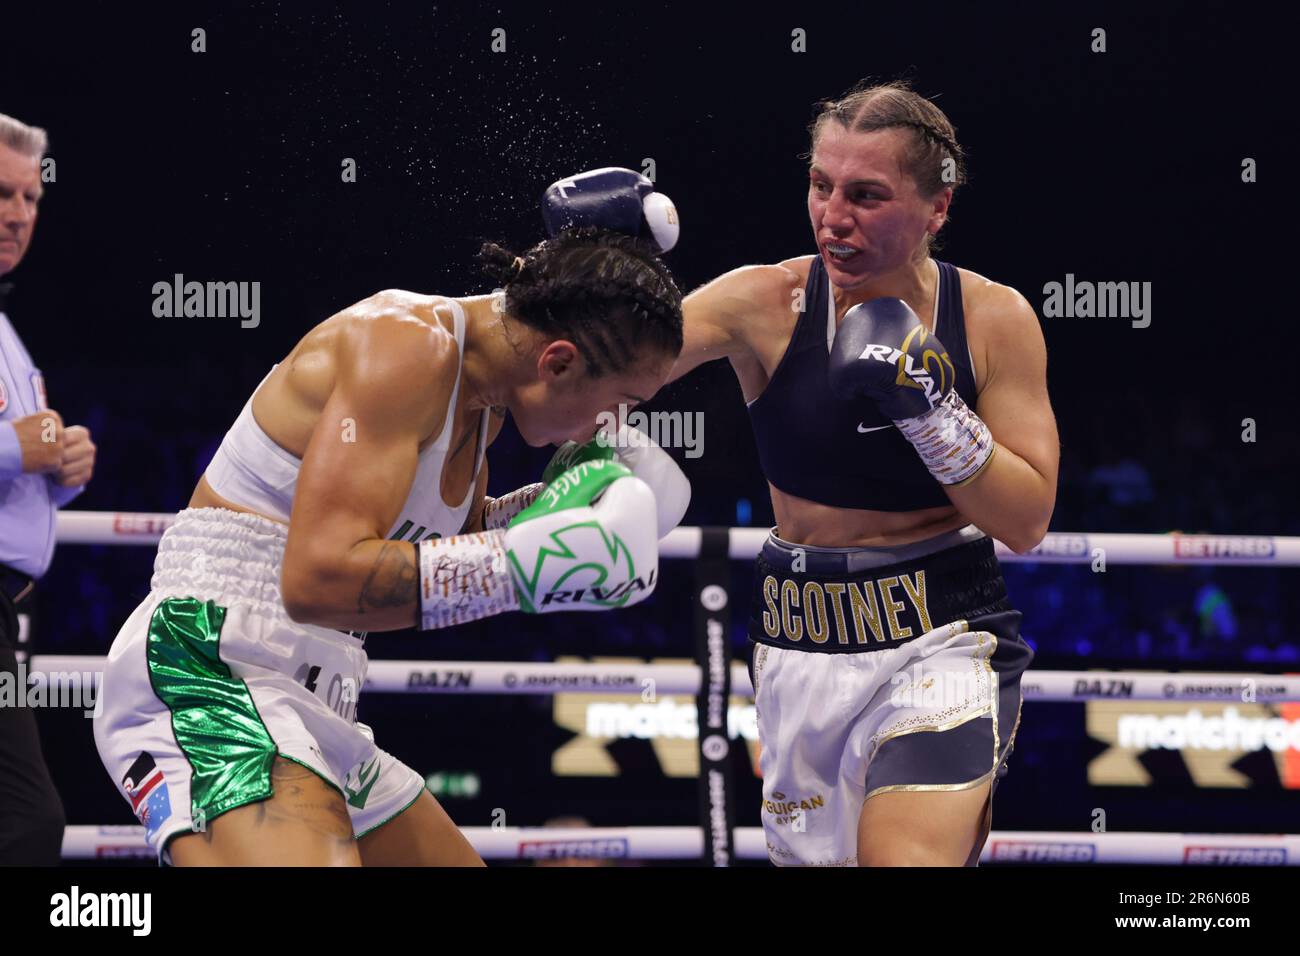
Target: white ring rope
(110,527)
(687,843)
(528,677)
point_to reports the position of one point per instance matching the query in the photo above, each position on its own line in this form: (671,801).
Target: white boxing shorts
(209,680)
(878,670)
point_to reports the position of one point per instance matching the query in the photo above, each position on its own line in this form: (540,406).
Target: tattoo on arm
(394,580)
(460,445)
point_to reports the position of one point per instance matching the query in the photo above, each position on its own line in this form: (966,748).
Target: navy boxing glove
(613,198)
(883,352)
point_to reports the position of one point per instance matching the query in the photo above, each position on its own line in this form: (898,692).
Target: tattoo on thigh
(393,581)
(304,799)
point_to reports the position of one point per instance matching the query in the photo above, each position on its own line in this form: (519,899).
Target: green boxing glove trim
(571,453)
(575,488)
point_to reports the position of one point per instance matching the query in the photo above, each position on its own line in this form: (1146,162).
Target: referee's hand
(78,457)
(41,440)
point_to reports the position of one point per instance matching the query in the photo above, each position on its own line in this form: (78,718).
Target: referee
(43,465)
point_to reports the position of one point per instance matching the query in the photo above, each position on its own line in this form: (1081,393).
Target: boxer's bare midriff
(205,497)
(800,521)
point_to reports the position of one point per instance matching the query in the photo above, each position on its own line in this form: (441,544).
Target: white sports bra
(254,472)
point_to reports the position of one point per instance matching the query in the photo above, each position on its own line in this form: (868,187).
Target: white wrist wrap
(499,512)
(464,578)
(951,439)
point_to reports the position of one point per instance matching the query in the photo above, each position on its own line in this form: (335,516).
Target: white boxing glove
(586,544)
(634,449)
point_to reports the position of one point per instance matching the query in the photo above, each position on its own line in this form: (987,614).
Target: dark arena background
(1107,143)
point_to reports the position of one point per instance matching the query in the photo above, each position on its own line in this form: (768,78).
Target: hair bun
(498,263)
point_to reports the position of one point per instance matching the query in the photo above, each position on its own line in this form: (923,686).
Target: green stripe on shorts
(214,718)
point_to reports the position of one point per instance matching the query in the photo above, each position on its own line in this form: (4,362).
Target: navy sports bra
(846,453)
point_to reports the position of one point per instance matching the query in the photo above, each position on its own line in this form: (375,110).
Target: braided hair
(606,292)
(933,147)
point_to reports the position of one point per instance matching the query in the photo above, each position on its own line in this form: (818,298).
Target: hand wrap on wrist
(464,578)
(499,512)
(951,439)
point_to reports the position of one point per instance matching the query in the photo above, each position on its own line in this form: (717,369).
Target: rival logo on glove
(909,374)
(593,593)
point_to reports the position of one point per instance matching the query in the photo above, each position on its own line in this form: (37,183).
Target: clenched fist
(78,462)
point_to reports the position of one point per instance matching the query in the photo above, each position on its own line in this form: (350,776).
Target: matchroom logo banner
(669,722)
(1233,745)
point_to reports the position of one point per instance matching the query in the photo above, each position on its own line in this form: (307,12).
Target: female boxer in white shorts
(348,497)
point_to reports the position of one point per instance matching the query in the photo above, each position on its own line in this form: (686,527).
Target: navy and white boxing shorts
(878,670)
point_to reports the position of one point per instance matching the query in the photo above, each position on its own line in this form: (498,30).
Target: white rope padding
(646,843)
(687,843)
(529,677)
(112,527)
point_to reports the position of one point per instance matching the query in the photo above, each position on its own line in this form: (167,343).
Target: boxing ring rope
(109,527)
(687,843)
(530,677)
(462,677)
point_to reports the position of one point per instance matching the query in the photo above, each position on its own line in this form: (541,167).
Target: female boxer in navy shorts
(901,413)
